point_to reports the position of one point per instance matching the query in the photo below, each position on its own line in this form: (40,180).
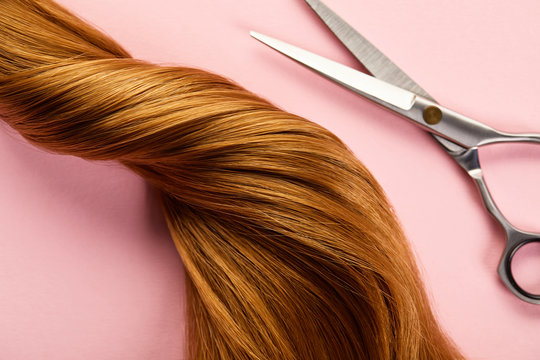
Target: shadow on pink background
(87,267)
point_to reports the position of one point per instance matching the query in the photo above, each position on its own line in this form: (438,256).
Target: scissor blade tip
(256,35)
(265,39)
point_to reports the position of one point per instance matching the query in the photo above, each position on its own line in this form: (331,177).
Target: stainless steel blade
(380,91)
(378,64)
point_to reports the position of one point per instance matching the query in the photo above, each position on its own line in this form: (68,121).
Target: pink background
(87,268)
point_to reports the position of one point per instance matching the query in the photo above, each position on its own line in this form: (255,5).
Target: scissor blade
(374,60)
(378,64)
(458,130)
(377,90)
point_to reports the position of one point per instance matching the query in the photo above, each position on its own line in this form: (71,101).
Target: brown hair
(290,247)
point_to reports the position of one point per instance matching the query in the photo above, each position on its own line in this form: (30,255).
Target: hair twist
(290,247)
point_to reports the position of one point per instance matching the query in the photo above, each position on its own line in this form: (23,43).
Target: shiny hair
(290,247)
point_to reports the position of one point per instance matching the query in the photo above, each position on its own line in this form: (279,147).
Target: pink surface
(87,268)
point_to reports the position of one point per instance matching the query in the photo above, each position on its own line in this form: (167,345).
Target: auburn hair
(290,247)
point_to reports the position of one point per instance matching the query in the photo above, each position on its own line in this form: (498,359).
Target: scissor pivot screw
(432,115)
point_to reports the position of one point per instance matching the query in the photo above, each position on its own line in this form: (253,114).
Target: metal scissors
(390,87)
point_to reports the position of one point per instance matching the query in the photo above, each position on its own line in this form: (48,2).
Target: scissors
(390,87)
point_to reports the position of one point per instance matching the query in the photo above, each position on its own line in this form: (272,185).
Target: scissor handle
(516,239)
